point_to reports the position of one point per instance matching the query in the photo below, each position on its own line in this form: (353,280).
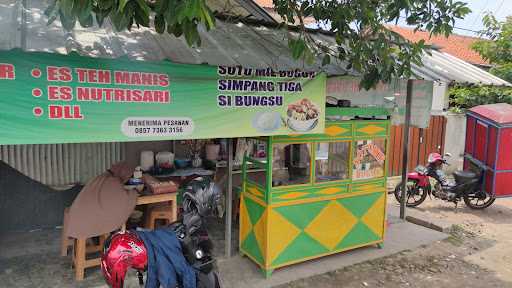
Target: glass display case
(291,164)
(332,161)
(322,194)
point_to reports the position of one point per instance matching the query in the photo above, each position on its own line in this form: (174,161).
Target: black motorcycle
(201,199)
(126,249)
(468,185)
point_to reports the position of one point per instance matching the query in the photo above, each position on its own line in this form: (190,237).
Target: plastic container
(165,159)
(147,160)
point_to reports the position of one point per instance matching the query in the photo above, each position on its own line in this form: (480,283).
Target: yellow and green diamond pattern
(278,236)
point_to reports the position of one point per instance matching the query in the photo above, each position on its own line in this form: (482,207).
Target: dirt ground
(478,253)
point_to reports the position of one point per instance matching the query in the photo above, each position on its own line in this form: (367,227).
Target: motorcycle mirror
(448,154)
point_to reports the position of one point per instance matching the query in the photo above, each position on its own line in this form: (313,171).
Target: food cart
(488,141)
(322,193)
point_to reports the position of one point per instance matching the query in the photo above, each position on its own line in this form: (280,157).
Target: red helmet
(122,250)
(434,157)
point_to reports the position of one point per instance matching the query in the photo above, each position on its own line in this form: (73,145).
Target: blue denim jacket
(166,264)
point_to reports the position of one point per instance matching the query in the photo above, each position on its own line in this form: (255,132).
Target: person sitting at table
(103,205)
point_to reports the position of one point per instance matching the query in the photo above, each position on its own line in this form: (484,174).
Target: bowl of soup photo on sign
(302,115)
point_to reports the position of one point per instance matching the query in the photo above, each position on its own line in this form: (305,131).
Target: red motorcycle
(468,185)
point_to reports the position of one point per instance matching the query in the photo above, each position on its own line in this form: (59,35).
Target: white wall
(439,98)
(455,139)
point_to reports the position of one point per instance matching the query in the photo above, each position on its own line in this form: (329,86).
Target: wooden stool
(80,249)
(65,241)
(80,261)
(161,212)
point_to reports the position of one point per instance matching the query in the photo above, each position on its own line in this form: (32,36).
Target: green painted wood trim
(312,163)
(268,185)
(315,140)
(320,193)
(386,161)
(296,137)
(364,112)
(309,186)
(244,173)
(317,186)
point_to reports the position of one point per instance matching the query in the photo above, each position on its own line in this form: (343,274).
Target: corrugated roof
(251,45)
(227,44)
(447,68)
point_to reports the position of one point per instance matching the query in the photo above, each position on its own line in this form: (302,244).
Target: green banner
(53,98)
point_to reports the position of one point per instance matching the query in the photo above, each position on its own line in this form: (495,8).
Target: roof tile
(265,3)
(456,45)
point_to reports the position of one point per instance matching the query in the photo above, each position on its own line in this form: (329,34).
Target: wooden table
(156,198)
(160,198)
(185,175)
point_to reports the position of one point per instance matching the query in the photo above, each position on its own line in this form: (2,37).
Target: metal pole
(229,200)
(405,162)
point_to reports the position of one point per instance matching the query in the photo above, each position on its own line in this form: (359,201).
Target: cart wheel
(479,200)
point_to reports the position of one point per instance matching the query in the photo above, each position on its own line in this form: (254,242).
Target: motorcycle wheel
(478,200)
(210,280)
(217,280)
(415,194)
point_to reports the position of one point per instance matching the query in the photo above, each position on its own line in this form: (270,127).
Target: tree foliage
(363,43)
(177,17)
(498,49)
(464,97)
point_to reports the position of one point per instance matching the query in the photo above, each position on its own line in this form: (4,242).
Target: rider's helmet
(122,250)
(435,158)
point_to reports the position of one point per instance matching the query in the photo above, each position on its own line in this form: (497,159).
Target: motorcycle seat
(464,176)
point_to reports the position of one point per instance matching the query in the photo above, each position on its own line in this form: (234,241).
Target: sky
(473,21)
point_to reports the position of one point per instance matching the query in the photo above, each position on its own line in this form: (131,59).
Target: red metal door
(480,141)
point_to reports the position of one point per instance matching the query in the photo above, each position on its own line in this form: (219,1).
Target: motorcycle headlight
(199,254)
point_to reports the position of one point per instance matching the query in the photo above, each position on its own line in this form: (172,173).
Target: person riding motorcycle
(436,162)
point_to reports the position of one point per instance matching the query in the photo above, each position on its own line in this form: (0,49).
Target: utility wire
(499,7)
(465,29)
(454,27)
(479,13)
